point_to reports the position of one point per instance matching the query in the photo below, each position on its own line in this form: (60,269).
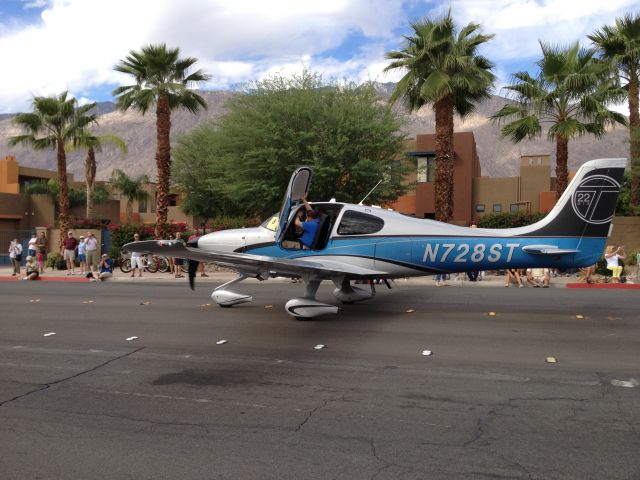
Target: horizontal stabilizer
(548,250)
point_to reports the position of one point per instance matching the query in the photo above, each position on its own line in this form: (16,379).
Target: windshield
(271,223)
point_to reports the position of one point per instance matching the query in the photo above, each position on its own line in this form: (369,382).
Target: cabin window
(497,207)
(271,223)
(358,223)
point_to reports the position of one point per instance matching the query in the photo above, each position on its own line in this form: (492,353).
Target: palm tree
(94,144)
(620,44)
(161,77)
(59,120)
(132,189)
(445,70)
(570,94)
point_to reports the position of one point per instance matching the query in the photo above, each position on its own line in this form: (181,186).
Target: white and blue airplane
(359,242)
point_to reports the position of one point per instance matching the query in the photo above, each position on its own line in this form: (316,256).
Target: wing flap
(253,264)
(548,250)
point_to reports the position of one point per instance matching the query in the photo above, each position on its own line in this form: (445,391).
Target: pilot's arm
(306,204)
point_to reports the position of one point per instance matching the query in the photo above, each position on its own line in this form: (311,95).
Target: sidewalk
(496,281)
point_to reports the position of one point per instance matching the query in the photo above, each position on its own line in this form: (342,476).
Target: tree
(51,187)
(161,78)
(242,164)
(59,120)
(570,94)
(131,188)
(620,44)
(445,70)
(94,143)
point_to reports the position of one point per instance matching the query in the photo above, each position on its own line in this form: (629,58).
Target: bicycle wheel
(152,264)
(163,264)
(125,265)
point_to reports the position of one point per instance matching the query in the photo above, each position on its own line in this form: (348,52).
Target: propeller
(193,269)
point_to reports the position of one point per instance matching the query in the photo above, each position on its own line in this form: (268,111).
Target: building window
(142,205)
(514,207)
(173,200)
(497,207)
(479,207)
(427,168)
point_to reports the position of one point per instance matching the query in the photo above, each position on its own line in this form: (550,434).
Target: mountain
(498,157)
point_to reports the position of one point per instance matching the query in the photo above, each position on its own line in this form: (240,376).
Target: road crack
(71,377)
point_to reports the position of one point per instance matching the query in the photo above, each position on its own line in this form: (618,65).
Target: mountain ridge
(498,157)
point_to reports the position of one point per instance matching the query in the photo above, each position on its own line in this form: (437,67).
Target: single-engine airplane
(359,242)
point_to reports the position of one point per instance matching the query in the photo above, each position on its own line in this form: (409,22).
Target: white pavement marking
(426,353)
(221,342)
(131,338)
(319,347)
(631,383)
(49,334)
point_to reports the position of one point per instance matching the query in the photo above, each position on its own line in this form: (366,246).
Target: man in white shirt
(136,259)
(91,247)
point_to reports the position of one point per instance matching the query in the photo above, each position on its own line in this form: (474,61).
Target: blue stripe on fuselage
(453,254)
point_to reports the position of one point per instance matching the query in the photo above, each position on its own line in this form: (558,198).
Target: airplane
(361,242)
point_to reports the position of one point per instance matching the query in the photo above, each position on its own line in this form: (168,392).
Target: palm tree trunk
(562,156)
(444,159)
(129,211)
(163,162)
(634,138)
(90,176)
(63,193)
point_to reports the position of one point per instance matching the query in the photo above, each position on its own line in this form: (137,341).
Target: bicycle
(149,263)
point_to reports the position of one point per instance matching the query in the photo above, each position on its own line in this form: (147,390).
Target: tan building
(26,212)
(530,191)
(466,167)
(475,195)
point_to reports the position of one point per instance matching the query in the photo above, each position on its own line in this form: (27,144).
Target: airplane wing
(254,265)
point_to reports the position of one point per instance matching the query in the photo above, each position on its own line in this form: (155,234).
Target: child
(40,258)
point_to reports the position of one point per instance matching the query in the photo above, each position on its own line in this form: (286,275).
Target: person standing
(68,251)
(136,259)
(15,254)
(178,262)
(31,248)
(41,246)
(613,256)
(82,255)
(92,252)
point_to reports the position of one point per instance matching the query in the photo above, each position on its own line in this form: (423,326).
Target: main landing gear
(300,307)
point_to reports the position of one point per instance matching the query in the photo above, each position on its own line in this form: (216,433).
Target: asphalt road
(86,403)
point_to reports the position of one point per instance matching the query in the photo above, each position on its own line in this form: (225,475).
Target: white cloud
(77,42)
(520,24)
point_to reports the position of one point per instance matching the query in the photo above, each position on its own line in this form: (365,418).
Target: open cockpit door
(298,187)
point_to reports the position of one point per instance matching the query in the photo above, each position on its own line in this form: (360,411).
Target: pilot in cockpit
(309,227)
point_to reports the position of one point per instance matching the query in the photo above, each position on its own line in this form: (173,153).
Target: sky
(49,46)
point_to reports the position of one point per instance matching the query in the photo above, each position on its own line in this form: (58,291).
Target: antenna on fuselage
(370,192)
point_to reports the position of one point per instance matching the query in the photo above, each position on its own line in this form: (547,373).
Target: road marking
(49,334)
(631,383)
(131,338)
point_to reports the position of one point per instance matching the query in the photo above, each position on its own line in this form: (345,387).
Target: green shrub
(509,219)
(55,260)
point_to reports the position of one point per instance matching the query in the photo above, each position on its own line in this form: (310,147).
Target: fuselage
(402,246)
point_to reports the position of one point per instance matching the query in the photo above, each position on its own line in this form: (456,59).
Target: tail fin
(586,207)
